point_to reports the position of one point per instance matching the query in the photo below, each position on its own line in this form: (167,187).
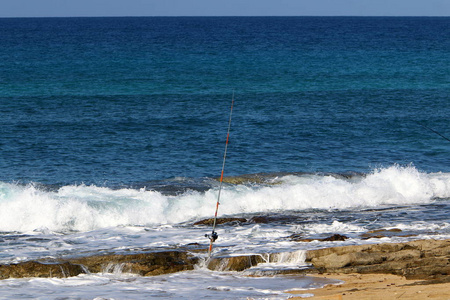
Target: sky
(84,8)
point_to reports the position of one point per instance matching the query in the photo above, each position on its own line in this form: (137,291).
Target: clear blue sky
(65,8)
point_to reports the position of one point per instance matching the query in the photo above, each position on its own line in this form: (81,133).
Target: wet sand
(377,286)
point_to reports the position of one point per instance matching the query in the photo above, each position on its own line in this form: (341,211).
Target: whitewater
(38,222)
(26,208)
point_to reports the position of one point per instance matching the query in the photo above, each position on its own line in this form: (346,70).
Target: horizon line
(231,16)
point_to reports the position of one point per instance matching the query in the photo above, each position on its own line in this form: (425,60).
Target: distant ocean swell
(83,208)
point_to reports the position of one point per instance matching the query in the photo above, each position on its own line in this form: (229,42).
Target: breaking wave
(83,208)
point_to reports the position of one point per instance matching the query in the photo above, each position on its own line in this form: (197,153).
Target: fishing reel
(212,237)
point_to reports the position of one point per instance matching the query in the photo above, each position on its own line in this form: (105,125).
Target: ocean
(112,136)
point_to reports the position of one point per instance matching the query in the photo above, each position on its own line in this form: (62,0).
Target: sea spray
(334,227)
(25,208)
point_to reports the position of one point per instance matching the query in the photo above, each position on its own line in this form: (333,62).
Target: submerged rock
(296,237)
(219,221)
(260,178)
(260,220)
(381,233)
(335,237)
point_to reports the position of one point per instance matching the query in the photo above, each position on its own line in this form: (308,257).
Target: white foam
(334,227)
(198,284)
(422,226)
(85,208)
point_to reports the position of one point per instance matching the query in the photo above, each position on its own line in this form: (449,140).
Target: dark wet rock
(219,221)
(145,264)
(234,263)
(299,238)
(276,218)
(335,237)
(260,178)
(296,237)
(272,178)
(424,259)
(381,233)
(39,269)
(260,220)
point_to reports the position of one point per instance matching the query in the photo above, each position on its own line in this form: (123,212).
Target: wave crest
(84,208)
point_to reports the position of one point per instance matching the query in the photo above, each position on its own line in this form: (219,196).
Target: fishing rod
(442,136)
(214,236)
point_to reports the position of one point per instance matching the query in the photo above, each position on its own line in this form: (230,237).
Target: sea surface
(113,130)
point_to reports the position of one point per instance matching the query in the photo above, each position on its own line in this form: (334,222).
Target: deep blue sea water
(112,130)
(125,100)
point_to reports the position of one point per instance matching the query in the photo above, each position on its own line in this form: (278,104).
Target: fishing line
(213,237)
(434,131)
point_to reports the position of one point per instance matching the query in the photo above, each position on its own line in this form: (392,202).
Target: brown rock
(335,261)
(299,238)
(145,264)
(335,237)
(38,269)
(248,179)
(296,237)
(425,259)
(381,233)
(210,222)
(260,220)
(403,255)
(233,263)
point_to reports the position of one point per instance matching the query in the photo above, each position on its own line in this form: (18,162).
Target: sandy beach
(377,286)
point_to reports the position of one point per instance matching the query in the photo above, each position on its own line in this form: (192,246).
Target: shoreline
(418,269)
(375,286)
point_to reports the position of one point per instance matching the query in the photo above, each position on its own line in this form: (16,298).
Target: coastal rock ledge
(144,264)
(421,259)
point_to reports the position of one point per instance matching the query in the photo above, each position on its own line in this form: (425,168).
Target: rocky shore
(144,264)
(420,259)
